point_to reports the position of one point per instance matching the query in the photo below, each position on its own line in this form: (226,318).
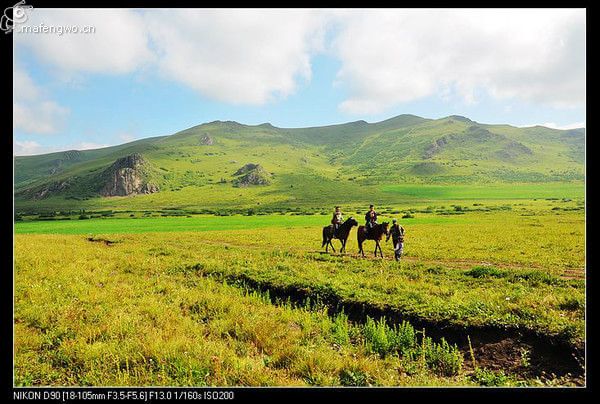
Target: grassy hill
(352,163)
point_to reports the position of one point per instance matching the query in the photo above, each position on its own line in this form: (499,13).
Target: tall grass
(380,338)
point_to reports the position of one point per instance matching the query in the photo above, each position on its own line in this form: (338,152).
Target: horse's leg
(332,247)
(343,246)
(327,245)
(380,252)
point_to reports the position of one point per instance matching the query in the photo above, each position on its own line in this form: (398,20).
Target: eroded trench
(548,358)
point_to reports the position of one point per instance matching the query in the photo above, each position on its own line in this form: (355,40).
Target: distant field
(195,223)
(488,191)
(164,224)
(312,193)
(200,224)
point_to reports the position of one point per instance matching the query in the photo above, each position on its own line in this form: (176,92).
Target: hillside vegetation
(207,165)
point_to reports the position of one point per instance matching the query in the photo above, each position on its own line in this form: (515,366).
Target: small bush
(340,329)
(537,277)
(571,304)
(404,337)
(354,377)
(436,270)
(83,217)
(489,378)
(442,358)
(485,271)
(376,337)
(383,339)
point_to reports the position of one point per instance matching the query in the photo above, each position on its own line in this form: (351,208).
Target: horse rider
(337,220)
(370,218)
(397,234)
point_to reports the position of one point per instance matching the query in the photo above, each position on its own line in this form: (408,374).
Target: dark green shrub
(442,358)
(340,329)
(537,277)
(485,271)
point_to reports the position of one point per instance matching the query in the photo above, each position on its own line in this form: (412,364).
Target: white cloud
(85,146)
(30,147)
(24,87)
(33,112)
(119,43)
(388,57)
(391,57)
(127,137)
(552,125)
(236,56)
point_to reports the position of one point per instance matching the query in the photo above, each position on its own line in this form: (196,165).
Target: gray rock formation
(251,174)
(51,189)
(206,140)
(127,176)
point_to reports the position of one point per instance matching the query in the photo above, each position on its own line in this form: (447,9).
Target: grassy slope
(315,165)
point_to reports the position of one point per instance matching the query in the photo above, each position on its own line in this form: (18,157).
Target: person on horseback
(370,218)
(397,234)
(337,220)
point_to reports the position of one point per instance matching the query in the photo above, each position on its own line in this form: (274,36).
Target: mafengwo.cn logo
(13,16)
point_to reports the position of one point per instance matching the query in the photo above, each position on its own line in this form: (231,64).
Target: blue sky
(137,77)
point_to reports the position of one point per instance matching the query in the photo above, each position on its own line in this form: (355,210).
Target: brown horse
(376,233)
(342,234)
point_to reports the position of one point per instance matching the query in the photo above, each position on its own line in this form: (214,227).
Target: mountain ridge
(402,149)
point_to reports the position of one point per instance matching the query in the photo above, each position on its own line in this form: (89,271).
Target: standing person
(370,218)
(337,220)
(397,234)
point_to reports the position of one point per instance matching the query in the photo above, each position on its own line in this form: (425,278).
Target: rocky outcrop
(127,176)
(513,150)
(51,189)
(251,174)
(247,168)
(475,138)
(437,146)
(206,140)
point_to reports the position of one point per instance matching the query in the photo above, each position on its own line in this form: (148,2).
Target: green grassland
(471,192)
(210,283)
(173,300)
(151,323)
(313,166)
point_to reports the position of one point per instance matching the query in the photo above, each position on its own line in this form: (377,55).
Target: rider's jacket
(371,217)
(337,218)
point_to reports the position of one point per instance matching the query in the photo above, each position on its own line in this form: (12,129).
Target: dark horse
(342,234)
(376,233)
